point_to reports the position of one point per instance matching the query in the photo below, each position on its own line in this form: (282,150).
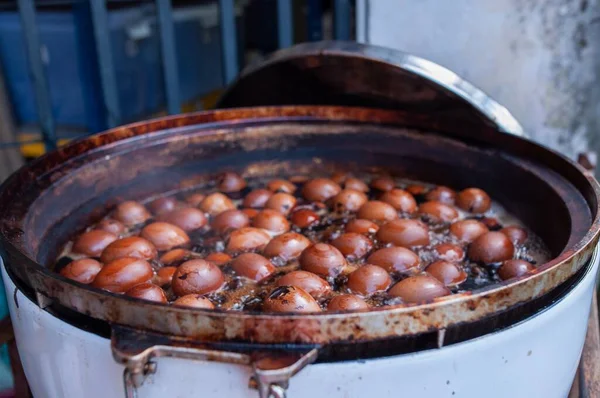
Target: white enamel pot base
(535,358)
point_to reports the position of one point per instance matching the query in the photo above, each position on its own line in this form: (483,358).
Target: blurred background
(69,68)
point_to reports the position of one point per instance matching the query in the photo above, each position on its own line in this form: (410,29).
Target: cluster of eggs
(269,242)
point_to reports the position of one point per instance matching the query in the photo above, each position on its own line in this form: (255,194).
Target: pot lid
(354,74)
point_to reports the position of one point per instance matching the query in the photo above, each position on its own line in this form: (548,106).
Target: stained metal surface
(440,129)
(38,74)
(36,197)
(353,74)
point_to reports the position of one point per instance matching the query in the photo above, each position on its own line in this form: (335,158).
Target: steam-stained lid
(353,74)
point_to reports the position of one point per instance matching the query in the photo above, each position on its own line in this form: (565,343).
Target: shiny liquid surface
(309,252)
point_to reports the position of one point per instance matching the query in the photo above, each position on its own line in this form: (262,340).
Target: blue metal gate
(97,13)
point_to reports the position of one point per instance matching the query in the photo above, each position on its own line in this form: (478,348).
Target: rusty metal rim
(230,325)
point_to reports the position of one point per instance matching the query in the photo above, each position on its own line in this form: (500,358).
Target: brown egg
(230,182)
(320,189)
(164,276)
(290,299)
(450,274)
(271,220)
(491,223)
(197,277)
(517,235)
(304,218)
(400,200)
(339,177)
(406,233)
(396,259)
(218,258)
(132,246)
(348,200)
(252,266)
(163,205)
(195,199)
(257,198)
(251,213)
(491,247)
(360,226)
(356,184)
(383,184)
(281,202)
(438,212)
(83,270)
(122,274)
(174,256)
(449,252)
(309,282)
(468,230)
(281,186)
(322,259)
(514,268)
(216,203)
(287,246)
(415,189)
(229,220)
(419,288)
(110,225)
(186,218)
(319,206)
(92,243)
(347,302)
(441,194)
(299,179)
(147,291)
(353,245)
(165,236)
(131,213)
(473,200)
(375,210)
(369,279)
(247,239)
(194,301)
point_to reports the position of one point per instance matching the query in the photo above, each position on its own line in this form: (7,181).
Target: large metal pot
(410,116)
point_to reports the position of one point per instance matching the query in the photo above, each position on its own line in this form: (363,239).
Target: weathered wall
(539,58)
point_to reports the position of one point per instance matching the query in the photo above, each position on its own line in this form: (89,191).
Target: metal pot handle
(272,368)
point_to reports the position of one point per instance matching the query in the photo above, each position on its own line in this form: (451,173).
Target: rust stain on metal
(57,173)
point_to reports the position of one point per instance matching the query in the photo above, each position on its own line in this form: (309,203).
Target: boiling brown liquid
(240,293)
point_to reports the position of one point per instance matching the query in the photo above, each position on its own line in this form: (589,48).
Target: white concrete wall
(539,58)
